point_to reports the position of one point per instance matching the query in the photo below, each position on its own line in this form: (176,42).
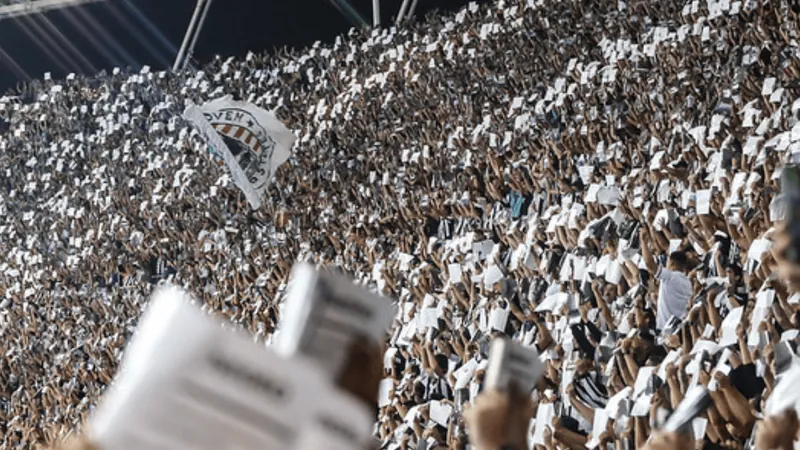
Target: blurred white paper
(454,270)
(585,173)
(758,248)
(709,347)
(187,382)
(492,275)
(464,374)
(600,424)
(544,417)
(385,392)
(613,273)
(777,208)
(642,379)
(429,318)
(552,302)
(319,438)
(641,407)
(591,193)
(613,405)
(510,362)
(699,425)
(608,196)
(672,357)
(324,315)
(440,412)
(785,395)
(498,319)
(703,200)
(768,87)
(729,325)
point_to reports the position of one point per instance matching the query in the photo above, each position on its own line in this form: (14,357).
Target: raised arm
(647,255)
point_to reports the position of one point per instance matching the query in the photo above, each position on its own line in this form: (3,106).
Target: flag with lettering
(252,142)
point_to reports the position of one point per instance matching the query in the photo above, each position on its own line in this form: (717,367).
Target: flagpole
(187,39)
(412,10)
(402,13)
(376,13)
(190,51)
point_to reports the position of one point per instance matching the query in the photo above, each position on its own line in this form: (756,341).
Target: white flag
(252,142)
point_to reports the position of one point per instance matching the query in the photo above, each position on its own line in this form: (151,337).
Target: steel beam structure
(28,7)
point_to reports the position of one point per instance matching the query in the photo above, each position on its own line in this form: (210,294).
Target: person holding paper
(675,288)
(499,420)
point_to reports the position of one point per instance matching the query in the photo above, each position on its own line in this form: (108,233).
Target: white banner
(252,142)
(188,383)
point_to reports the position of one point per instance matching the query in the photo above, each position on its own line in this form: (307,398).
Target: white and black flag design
(252,142)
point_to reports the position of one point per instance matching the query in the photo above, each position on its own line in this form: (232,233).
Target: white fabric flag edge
(195,115)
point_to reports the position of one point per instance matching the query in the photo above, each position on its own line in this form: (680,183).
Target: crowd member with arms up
(675,289)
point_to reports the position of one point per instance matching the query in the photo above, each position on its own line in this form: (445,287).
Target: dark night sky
(99,36)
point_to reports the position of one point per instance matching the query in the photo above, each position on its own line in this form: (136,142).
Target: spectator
(675,289)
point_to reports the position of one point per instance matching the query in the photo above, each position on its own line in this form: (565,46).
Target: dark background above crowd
(113,34)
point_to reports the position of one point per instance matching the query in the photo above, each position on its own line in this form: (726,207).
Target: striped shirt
(590,391)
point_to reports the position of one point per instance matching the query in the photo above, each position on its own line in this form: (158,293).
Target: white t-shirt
(673,295)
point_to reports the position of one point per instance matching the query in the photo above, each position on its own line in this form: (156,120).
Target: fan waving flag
(252,142)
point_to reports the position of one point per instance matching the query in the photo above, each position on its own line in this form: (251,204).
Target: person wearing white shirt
(675,288)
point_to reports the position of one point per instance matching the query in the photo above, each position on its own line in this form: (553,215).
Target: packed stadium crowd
(597,179)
